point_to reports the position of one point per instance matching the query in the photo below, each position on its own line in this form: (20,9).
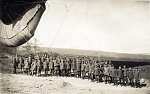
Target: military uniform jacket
(124,72)
(17,61)
(26,64)
(42,59)
(96,70)
(21,61)
(58,60)
(136,75)
(68,65)
(113,72)
(91,69)
(34,65)
(62,64)
(101,71)
(45,65)
(78,65)
(47,60)
(55,63)
(51,65)
(109,70)
(120,73)
(39,63)
(82,67)
(73,65)
(106,71)
(87,68)
(30,59)
(130,74)
(14,62)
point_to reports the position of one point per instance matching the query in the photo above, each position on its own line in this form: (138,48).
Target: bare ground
(23,84)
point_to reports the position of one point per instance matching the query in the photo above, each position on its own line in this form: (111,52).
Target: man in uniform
(38,66)
(51,66)
(14,64)
(68,67)
(78,60)
(125,80)
(101,72)
(97,72)
(21,63)
(106,73)
(26,67)
(113,74)
(34,67)
(42,63)
(109,70)
(87,68)
(17,60)
(45,67)
(62,67)
(58,65)
(83,67)
(120,75)
(56,61)
(47,60)
(73,67)
(130,76)
(30,62)
(136,78)
(91,71)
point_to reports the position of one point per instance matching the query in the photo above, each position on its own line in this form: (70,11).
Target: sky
(107,25)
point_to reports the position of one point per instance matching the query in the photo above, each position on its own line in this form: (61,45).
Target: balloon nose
(11,10)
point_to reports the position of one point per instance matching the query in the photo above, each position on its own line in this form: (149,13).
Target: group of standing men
(80,67)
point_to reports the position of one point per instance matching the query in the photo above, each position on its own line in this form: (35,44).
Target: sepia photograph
(74,46)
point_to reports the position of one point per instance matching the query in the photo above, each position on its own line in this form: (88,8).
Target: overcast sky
(106,25)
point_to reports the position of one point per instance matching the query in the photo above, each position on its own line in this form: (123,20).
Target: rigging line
(44,20)
(61,25)
(58,29)
(47,14)
(100,27)
(13,21)
(7,35)
(72,23)
(24,28)
(58,4)
(83,15)
(74,18)
(9,39)
(18,27)
(65,30)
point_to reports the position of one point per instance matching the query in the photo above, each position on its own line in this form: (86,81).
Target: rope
(60,26)
(83,14)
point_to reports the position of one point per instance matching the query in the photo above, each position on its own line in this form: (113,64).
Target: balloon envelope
(18,20)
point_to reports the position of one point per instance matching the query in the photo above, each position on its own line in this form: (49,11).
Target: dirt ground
(24,84)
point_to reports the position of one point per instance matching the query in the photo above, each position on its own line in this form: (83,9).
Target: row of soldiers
(80,67)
